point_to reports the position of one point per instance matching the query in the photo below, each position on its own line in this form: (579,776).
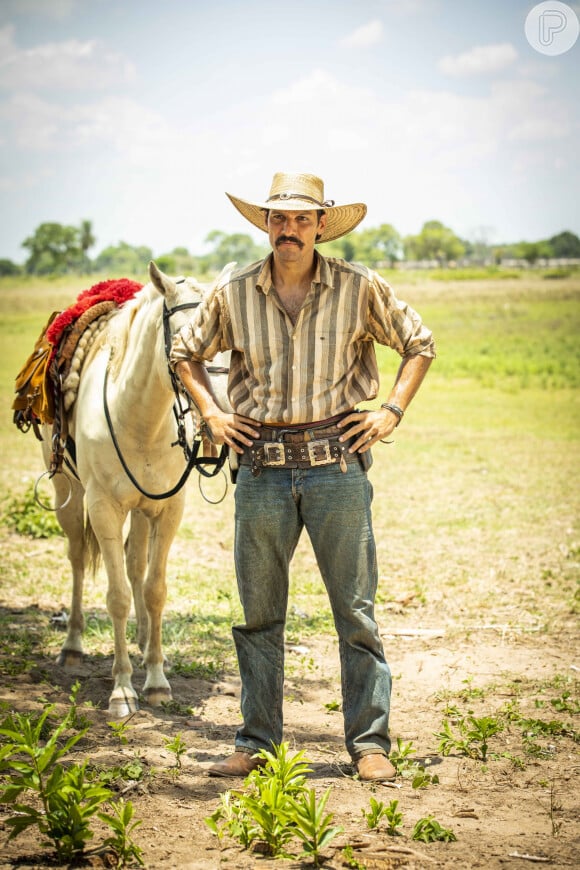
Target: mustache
(283,238)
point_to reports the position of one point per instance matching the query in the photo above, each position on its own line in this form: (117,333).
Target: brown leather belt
(311,447)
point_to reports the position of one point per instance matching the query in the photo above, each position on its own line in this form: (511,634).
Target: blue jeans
(335,508)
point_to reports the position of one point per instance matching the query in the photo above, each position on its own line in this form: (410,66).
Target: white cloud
(367,34)
(32,123)
(479,60)
(538,130)
(69,65)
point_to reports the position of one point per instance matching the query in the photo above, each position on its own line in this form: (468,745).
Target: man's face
(292,234)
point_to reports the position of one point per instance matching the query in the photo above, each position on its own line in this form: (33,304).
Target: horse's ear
(160,280)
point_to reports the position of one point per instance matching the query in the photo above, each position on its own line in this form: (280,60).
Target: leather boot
(239,764)
(375,768)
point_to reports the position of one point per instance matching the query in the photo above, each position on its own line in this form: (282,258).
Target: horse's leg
(163,530)
(107,521)
(136,553)
(71,518)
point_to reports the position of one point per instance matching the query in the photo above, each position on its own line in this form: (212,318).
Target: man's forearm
(409,378)
(196,381)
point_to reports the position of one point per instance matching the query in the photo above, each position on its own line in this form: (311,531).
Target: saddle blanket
(35,387)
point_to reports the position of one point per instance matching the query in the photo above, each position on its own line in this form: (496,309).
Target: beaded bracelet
(395,409)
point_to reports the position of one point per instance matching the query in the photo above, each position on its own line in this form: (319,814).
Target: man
(302,328)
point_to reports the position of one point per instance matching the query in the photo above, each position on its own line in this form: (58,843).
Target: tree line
(57,249)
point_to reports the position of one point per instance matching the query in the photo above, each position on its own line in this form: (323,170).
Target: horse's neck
(142,385)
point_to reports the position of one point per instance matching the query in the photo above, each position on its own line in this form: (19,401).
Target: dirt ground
(502,814)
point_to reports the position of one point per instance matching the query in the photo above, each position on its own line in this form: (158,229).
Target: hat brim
(340,219)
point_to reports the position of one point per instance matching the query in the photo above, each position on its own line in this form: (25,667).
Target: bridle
(181,408)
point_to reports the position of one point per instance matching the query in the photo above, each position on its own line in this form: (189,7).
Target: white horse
(139,400)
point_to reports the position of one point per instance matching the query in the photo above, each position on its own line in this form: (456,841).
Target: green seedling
(275,808)
(565,704)
(290,771)
(178,747)
(428,830)
(120,820)
(68,796)
(401,756)
(120,729)
(473,737)
(350,860)
(394,819)
(422,779)
(232,816)
(270,810)
(379,810)
(313,824)
(375,814)
(32,766)
(77,720)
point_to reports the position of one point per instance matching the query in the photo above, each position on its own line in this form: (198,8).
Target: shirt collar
(322,273)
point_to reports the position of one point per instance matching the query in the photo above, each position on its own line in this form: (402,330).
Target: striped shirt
(319,366)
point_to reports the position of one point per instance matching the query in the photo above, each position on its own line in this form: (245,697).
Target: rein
(180,413)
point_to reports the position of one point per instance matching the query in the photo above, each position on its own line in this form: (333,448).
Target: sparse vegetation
(475,539)
(56,798)
(277,807)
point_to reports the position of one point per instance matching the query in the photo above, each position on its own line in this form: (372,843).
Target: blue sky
(139,115)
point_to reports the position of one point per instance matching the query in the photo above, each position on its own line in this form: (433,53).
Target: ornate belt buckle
(274,454)
(319,452)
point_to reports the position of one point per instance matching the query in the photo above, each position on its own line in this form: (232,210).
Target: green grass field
(477,498)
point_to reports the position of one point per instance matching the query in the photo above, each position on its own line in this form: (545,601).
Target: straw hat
(298,191)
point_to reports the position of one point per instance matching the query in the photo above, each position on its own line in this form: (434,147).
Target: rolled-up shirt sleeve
(395,324)
(202,337)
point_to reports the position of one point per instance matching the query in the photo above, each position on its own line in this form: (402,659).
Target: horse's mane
(121,324)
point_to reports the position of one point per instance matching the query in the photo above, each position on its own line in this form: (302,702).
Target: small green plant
(32,763)
(275,808)
(394,819)
(375,814)
(60,801)
(350,860)
(178,747)
(312,824)
(232,816)
(25,516)
(120,729)
(77,720)
(332,707)
(422,779)
(290,771)
(401,756)
(132,770)
(269,809)
(428,830)
(379,810)
(120,820)
(473,737)
(565,704)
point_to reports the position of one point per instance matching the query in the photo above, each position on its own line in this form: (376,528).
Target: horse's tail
(92,546)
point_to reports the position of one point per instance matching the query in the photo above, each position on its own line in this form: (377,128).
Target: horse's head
(182,296)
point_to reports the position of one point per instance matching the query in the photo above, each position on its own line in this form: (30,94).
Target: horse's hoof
(69,659)
(157,696)
(121,707)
